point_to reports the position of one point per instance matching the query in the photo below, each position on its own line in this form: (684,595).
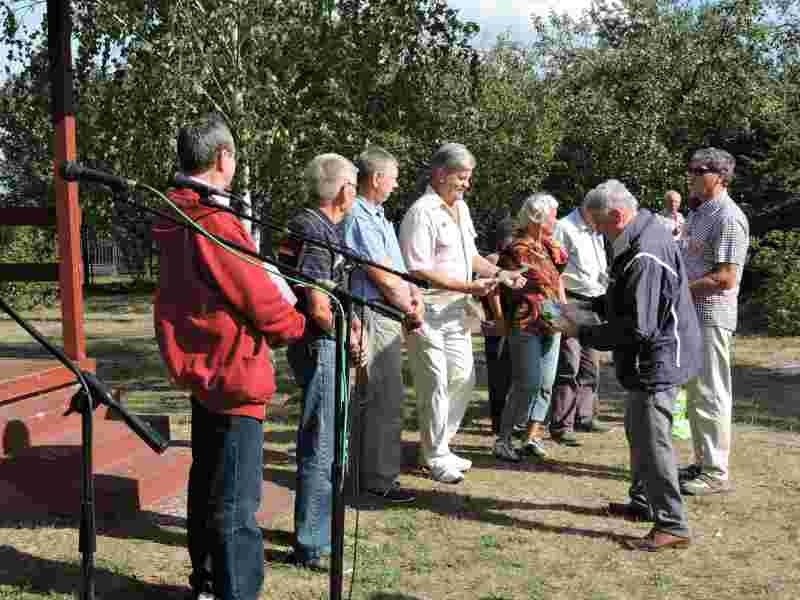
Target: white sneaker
(446,474)
(504,450)
(459,463)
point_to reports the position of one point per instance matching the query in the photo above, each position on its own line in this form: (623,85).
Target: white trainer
(446,474)
(459,463)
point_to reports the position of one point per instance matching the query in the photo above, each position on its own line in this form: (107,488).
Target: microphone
(71,170)
(184,181)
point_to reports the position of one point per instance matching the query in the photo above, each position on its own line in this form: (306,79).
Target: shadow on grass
(391,596)
(487,510)
(29,573)
(481,460)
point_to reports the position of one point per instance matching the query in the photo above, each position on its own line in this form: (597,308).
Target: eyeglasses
(349,183)
(701,170)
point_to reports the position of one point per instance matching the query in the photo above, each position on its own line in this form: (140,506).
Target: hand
(513,279)
(482,287)
(414,317)
(358,352)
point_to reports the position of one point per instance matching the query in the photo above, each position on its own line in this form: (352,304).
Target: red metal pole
(68,212)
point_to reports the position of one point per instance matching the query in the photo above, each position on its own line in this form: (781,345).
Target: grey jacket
(651,322)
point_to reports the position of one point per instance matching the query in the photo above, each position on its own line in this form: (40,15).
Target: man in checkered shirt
(714,244)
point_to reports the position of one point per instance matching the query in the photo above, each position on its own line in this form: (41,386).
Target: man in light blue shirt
(379,419)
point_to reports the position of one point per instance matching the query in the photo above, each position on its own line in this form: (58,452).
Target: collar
(222,200)
(367,206)
(580,222)
(714,203)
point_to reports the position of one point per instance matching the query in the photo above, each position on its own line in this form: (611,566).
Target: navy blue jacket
(651,322)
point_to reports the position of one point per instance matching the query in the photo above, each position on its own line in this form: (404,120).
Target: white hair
(608,195)
(535,209)
(325,172)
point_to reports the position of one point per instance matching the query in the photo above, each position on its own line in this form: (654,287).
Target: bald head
(672,201)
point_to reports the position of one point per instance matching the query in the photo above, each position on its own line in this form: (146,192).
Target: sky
(513,16)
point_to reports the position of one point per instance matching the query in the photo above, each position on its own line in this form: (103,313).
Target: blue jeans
(534,360)
(224,539)
(313,364)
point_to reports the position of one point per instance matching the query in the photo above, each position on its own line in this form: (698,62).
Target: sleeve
(470,233)
(638,319)
(364,238)
(246,286)
(316,262)
(418,241)
(731,246)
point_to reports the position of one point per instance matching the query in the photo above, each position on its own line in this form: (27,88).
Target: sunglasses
(702,170)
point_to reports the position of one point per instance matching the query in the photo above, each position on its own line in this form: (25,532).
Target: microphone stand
(92,393)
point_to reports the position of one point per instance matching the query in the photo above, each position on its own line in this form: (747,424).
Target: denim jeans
(313,364)
(224,539)
(534,360)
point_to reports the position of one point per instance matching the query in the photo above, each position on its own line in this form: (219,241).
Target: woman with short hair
(533,340)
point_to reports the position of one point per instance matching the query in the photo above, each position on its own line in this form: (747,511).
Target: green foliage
(628,91)
(27,245)
(776,265)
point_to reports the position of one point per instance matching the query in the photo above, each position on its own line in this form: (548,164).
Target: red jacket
(216,314)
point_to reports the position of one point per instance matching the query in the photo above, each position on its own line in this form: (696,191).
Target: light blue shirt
(368,232)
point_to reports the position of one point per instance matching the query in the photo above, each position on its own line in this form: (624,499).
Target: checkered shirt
(716,232)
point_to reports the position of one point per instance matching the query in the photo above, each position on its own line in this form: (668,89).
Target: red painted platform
(40,458)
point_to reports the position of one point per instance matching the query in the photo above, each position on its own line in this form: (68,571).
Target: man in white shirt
(671,216)
(585,282)
(437,239)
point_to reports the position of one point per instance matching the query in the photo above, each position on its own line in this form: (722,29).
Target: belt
(582,297)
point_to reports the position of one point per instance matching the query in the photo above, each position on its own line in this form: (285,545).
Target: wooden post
(68,212)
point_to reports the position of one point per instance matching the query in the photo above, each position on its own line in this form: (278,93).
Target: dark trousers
(224,539)
(654,470)
(577,379)
(498,373)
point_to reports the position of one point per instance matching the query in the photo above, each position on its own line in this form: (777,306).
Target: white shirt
(432,240)
(674,223)
(587,270)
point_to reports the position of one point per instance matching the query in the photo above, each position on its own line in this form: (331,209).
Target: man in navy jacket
(652,329)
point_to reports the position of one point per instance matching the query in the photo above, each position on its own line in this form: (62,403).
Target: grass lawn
(527,532)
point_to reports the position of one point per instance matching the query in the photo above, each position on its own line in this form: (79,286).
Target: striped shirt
(716,232)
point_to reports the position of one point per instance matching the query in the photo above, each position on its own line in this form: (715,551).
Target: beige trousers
(709,403)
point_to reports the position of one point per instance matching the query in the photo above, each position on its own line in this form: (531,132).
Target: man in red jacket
(216,316)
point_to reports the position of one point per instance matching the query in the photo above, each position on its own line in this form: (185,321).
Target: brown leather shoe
(656,540)
(629,512)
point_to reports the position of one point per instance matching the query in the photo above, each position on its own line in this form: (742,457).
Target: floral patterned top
(545,262)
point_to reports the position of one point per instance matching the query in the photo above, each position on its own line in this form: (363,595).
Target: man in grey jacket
(652,329)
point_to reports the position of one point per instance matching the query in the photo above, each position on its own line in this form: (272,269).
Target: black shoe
(689,472)
(203,593)
(320,564)
(566,438)
(629,512)
(394,494)
(593,426)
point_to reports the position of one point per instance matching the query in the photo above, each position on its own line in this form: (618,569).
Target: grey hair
(718,161)
(199,142)
(324,173)
(373,160)
(608,195)
(535,209)
(451,157)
